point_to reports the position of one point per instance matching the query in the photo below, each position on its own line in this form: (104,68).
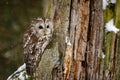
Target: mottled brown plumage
(35,41)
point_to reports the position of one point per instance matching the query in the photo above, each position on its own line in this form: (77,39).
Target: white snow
(109,26)
(19,73)
(21,67)
(9,78)
(105,3)
(113,1)
(22,76)
(103,55)
(68,41)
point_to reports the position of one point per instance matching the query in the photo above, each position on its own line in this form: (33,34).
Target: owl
(35,40)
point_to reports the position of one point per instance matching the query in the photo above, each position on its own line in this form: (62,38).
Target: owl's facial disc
(43,27)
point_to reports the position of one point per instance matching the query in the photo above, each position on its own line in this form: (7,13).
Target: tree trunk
(95,38)
(78,57)
(111,44)
(117,44)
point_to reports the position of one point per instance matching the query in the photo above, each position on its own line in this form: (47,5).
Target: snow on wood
(21,67)
(68,41)
(68,58)
(111,27)
(19,74)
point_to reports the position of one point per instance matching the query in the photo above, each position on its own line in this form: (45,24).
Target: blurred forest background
(15,16)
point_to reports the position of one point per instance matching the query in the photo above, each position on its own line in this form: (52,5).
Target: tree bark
(95,38)
(117,44)
(77,41)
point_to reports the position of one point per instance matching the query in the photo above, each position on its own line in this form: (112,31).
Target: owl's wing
(29,41)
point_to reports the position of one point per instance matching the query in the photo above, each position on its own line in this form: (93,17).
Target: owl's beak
(45,32)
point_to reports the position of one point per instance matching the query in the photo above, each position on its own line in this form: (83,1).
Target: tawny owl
(35,41)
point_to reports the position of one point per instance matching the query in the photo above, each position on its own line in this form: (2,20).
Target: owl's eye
(47,26)
(40,27)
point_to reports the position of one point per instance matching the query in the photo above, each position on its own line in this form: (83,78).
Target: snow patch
(23,76)
(111,27)
(103,55)
(68,41)
(113,1)
(19,74)
(21,67)
(105,3)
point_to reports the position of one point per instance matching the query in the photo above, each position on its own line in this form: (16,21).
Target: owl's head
(42,26)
